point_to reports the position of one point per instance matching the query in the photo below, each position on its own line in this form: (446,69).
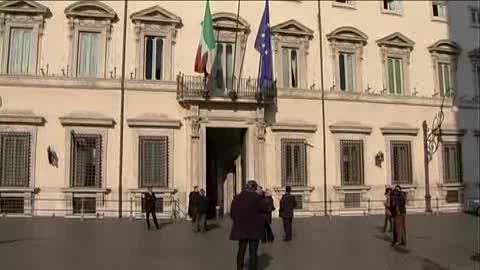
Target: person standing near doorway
(150,200)
(287,205)
(388,215)
(268,236)
(202,209)
(248,223)
(401,200)
(192,203)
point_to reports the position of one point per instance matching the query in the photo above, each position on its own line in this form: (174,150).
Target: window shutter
(15,159)
(391,78)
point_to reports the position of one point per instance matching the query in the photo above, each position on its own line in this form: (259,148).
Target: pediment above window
(348,33)
(228,21)
(445,46)
(24,7)
(396,40)
(292,28)
(91,9)
(156,14)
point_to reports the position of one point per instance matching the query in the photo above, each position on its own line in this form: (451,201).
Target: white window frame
(398,12)
(223,62)
(158,22)
(299,39)
(13,15)
(98,63)
(402,77)
(154,58)
(442,83)
(90,16)
(350,4)
(469,15)
(439,18)
(444,52)
(289,64)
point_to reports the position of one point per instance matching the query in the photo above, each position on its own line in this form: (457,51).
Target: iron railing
(198,87)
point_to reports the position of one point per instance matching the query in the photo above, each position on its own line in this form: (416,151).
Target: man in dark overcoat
(287,205)
(202,209)
(150,200)
(192,203)
(248,223)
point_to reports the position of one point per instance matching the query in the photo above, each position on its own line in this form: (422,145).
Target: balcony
(243,90)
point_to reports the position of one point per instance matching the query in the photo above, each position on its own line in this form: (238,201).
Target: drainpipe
(323,109)
(122,110)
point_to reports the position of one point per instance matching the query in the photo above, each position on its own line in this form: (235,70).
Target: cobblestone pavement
(434,243)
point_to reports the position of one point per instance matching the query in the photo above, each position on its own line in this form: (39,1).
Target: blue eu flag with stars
(263,44)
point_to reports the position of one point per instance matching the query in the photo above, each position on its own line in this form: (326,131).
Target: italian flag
(207,45)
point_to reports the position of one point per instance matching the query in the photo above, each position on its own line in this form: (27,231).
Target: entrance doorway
(226,166)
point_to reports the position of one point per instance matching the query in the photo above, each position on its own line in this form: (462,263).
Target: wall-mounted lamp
(379,158)
(52,157)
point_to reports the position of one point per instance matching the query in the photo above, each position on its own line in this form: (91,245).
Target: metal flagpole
(122,110)
(235,50)
(323,110)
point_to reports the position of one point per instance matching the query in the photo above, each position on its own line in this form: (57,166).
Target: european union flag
(263,44)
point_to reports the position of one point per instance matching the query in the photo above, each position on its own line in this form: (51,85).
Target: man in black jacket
(150,199)
(248,223)
(192,203)
(287,205)
(202,209)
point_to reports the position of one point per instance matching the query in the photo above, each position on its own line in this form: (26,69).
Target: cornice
(87,121)
(293,127)
(22,119)
(153,123)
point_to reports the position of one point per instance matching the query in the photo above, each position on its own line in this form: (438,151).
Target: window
(20,54)
(346,67)
(294,162)
(87,54)
(154,58)
(439,9)
(452,196)
(12,205)
(452,162)
(154,161)
(352,200)
(224,72)
(475,16)
(299,200)
(351,162)
(401,162)
(290,67)
(395,76)
(394,6)
(446,79)
(86,160)
(15,159)
(84,205)
(344,3)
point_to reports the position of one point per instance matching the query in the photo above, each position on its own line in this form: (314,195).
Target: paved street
(435,243)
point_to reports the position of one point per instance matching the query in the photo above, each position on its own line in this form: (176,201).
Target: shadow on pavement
(264,260)
(402,250)
(383,237)
(428,264)
(212,226)
(2,242)
(475,257)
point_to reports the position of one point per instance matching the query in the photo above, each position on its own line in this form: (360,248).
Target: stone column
(260,153)
(195,151)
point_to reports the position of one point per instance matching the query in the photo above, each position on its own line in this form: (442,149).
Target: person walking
(268,236)
(401,200)
(150,200)
(287,205)
(202,209)
(248,223)
(394,214)
(388,215)
(192,203)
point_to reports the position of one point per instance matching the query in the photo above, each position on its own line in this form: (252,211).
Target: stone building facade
(386,67)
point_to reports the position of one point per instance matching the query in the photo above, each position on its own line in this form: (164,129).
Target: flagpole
(235,46)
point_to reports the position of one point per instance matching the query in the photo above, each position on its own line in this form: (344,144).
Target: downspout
(323,109)
(122,110)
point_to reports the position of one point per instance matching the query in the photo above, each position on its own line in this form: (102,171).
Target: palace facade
(343,121)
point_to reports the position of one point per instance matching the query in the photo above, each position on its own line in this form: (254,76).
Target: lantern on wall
(52,157)
(379,159)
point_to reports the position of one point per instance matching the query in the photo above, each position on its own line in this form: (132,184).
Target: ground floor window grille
(294,162)
(84,205)
(86,161)
(12,205)
(153,161)
(352,200)
(452,196)
(15,159)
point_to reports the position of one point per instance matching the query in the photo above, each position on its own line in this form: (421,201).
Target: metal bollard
(217,210)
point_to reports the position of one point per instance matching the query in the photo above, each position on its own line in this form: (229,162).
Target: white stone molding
(399,129)
(159,22)
(153,121)
(22,14)
(444,51)
(292,34)
(21,119)
(350,127)
(399,46)
(294,127)
(451,132)
(90,16)
(87,121)
(348,39)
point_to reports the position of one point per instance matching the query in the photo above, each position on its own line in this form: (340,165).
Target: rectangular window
(346,71)
(88,53)
(20,51)
(12,205)
(294,162)
(290,67)
(401,157)
(153,161)
(15,159)
(154,58)
(224,69)
(475,16)
(84,205)
(86,160)
(439,9)
(392,5)
(299,200)
(452,162)
(445,79)
(452,196)
(352,200)
(395,75)
(351,162)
